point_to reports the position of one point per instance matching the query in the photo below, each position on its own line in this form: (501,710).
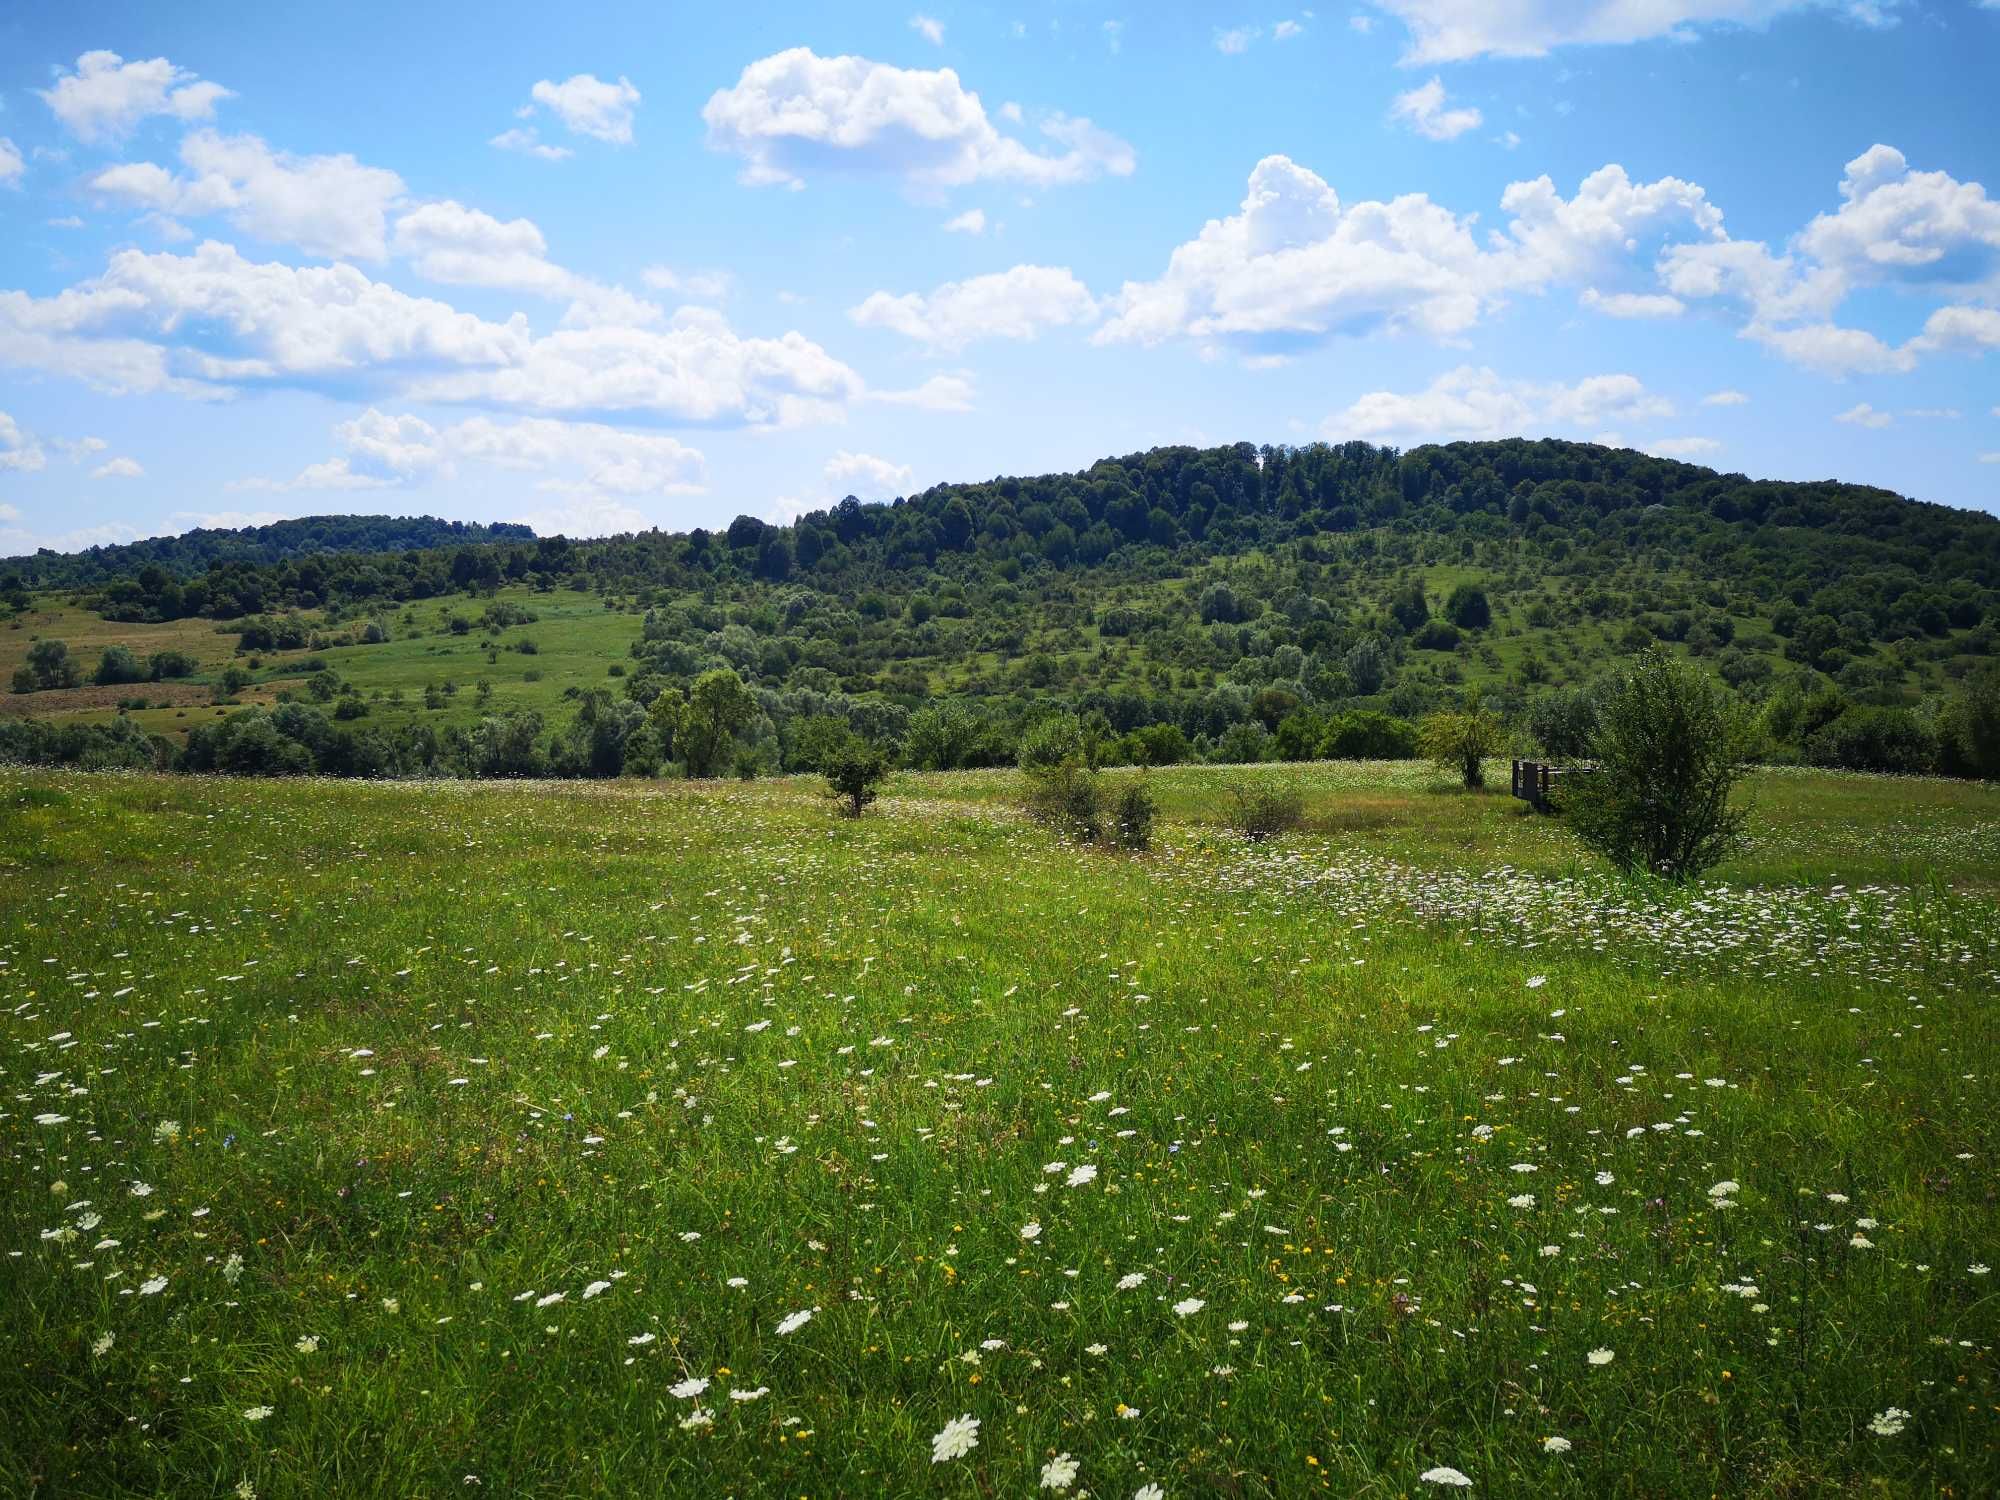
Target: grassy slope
(448,1045)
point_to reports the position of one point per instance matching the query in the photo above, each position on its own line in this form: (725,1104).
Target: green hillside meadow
(679,1138)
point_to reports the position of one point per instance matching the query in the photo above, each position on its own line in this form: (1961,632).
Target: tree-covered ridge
(195,552)
(1183,502)
(1230,603)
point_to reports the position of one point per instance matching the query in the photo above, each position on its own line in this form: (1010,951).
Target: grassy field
(577,642)
(616,1139)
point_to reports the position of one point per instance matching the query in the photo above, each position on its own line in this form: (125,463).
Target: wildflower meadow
(621,1139)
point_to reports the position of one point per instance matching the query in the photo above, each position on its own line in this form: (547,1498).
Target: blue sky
(624,266)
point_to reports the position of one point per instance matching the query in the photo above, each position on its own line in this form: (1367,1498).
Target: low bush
(1264,810)
(1133,810)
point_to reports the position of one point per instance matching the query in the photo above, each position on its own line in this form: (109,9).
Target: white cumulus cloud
(1474,402)
(1013,304)
(1925,235)
(587,105)
(213,322)
(118,468)
(942,393)
(860,473)
(106,96)
(1296,266)
(528,141)
(1454,30)
(1632,304)
(795,113)
(1684,448)
(332,206)
(576,459)
(1423,110)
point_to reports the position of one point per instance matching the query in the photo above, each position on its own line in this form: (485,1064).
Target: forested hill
(1574,509)
(194,552)
(1230,603)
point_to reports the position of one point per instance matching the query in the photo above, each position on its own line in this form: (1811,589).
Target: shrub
(118,666)
(1158,745)
(1241,745)
(1133,810)
(1409,608)
(1366,666)
(854,769)
(170,664)
(1263,810)
(1057,759)
(1458,743)
(1874,739)
(718,708)
(817,740)
(1969,728)
(1437,635)
(940,738)
(1670,745)
(1365,734)
(1467,607)
(1066,796)
(1219,605)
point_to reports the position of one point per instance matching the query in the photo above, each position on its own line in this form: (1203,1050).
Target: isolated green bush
(118,666)
(1670,746)
(1133,810)
(1264,810)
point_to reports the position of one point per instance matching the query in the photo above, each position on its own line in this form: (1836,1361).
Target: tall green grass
(398,1065)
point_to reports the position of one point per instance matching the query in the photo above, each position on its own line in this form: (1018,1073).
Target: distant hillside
(194,552)
(1235,602)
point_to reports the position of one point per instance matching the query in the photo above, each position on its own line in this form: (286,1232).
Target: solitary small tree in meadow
(1458,743)
(854,770)
(1670,746)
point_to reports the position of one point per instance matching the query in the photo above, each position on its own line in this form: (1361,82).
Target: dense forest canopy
(194,552)
(1562,497)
